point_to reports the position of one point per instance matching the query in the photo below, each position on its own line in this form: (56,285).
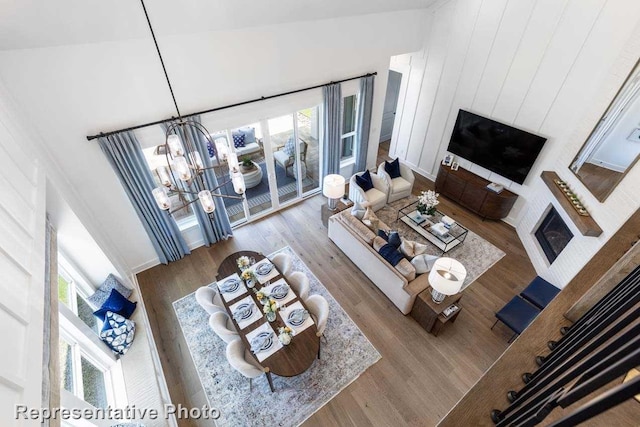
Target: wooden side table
(326,213)
(429,314)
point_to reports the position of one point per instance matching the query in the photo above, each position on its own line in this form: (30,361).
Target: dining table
(289,360)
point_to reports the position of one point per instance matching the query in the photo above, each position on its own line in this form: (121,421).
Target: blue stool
(517,314)
(539,292)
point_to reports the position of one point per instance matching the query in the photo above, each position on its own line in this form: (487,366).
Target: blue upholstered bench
(539,292)
(517,314)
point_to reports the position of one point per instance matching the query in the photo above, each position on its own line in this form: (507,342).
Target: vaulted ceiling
(38,23)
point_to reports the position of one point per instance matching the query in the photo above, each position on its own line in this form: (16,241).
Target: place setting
(296,317)
(231,287)
(264,271)
(264,341)
(245,312)
(280,291)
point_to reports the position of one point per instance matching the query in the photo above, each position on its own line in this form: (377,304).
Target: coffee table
(423,225)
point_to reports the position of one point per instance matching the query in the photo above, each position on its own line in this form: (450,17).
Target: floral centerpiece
(427,202)
(249,277)
(243,262)
(284,335)
(270,308)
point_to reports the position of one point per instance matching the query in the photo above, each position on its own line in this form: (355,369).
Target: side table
(429,314)
(326,213)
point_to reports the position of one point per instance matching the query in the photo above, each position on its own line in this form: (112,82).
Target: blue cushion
(393,238)
(391,254)
(103,292)
(290,147)
(212,153)
(392,168)
(117,332)
(539,292)
(517,314)
(249,134)
(116,303)
(364,181)
(238,140)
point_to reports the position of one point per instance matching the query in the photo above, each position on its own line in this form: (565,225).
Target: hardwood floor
(419,378)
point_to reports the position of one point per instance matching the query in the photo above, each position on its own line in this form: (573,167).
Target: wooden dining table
(290,360)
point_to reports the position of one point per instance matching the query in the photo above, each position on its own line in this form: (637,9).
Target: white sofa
(354,240)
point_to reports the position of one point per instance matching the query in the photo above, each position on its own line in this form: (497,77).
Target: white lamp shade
(447,276)
(206,200)
(196,160)
(238,181)
(181,167)
(232,160)
(333,186)
(163,174)
(175,146)
(162,198)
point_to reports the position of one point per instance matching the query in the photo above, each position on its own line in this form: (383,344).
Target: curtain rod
(237,104)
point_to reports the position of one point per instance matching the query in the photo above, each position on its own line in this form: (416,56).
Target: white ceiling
(43,23)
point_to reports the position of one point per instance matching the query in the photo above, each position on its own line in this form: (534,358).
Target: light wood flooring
(600,181)
(419,378)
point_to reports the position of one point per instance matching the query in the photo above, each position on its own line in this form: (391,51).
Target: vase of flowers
(270,309)
(427,202)
(284,335)
(249,278)
(243,262)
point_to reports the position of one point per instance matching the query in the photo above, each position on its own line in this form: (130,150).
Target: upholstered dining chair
(299,282)
(283,263)
(210,300)
(399,187)
(319,310)
(223,326)
(240,359)
(376,197)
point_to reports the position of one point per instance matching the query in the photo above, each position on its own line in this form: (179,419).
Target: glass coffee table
(427,227)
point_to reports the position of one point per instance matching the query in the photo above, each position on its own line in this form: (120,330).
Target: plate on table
(267,341)
(244,310)
(280,291)
(264,269)
(230,285)
(297,317)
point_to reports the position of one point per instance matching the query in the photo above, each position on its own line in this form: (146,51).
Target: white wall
(539,66)
(68,92)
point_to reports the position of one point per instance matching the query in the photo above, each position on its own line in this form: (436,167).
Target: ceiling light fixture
(184,173)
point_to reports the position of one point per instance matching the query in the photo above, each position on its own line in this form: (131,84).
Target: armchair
(286,155)
(399,187)
(376,198)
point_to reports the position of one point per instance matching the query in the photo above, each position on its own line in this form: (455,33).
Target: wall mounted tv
(502,149)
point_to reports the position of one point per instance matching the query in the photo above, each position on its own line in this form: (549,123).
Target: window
(349,114)
(74,297)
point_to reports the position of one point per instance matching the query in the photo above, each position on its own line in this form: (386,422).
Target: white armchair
(376,197)
(223,326)
(300,284)
(240,359)
(210,300)
(399,187)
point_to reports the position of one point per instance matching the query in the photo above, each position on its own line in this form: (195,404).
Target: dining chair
(319,309)
(223,326)
(242,361)
(299,282)
(284,263)
(210,300)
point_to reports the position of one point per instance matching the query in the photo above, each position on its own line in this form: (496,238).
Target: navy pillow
(238,140)
(384,235)
(393,168)
(116,303)
(118,332)
(365,181)
(391,254)
(393,238)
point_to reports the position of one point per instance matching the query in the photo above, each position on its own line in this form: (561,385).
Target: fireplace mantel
(586,224)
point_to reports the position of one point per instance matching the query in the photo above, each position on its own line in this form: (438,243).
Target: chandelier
(185,173)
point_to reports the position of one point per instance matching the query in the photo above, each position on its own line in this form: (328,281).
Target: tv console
(470,190)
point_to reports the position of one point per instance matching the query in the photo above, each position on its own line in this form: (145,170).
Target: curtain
(50,337)
(214,226)
(365,102)
(125,156)
(332,103)
(626,96)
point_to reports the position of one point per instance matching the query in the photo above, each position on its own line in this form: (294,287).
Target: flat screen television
(502,149)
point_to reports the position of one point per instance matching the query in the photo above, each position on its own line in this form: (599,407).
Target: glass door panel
(308,125)
(282,137)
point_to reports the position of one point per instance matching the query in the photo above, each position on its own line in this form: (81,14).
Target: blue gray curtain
(365,102)
(214,226)
(332,103)
(125,156)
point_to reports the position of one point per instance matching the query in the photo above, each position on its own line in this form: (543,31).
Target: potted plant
(246,164)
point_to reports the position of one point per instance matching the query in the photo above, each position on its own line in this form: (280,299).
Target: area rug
(475,253)
(346,354)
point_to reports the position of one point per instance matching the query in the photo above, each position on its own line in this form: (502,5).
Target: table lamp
(446,278)
(333,188)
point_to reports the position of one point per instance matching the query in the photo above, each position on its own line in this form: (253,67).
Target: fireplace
(553,235)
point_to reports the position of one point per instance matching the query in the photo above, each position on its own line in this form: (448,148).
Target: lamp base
(333,204)
(437,297)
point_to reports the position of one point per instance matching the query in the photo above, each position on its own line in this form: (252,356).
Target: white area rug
(345,356)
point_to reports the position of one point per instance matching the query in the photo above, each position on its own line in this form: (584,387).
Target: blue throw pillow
(364,181)
(392,168)
(210,150)
(391,254)
(238,140)
(393,238)
(290,147)
(118,332)
(249,134)
(116,303)
(103,292)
